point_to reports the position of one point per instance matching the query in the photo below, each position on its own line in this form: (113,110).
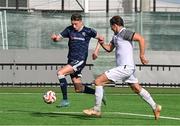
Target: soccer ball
(49,97)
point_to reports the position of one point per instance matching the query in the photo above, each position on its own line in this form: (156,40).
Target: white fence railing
(3,28)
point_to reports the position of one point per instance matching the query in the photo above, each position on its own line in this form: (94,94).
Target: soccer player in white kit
(122,43)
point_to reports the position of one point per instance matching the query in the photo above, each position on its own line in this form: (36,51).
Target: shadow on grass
(55,114)
(79,115)
(52,114)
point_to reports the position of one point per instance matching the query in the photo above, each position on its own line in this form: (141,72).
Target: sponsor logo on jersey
(77,38)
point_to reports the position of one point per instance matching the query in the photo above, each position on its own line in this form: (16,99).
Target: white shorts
(124,73)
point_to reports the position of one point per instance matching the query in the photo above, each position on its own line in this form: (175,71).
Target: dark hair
(117,20)
(76,17)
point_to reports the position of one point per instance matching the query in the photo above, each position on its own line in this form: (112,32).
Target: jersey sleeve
(65,33)
(112,40)
(92,33)
(127,34)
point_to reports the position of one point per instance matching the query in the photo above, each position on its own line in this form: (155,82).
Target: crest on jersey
(84,33)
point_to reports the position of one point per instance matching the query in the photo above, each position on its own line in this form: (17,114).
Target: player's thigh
(101,80)
(118,73)
(77,65)
(67,69)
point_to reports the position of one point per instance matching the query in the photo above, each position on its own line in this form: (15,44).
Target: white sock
(99,96)
(147,97)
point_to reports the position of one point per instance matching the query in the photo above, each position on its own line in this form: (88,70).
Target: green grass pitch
(25,106)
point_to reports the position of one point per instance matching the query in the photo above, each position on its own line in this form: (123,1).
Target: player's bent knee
(136,89)
(97,83)
(59,72)
(60,76)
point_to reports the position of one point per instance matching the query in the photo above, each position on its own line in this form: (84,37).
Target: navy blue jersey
(78,42)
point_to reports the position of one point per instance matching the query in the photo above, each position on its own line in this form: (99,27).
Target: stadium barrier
(35,65)
(54,66)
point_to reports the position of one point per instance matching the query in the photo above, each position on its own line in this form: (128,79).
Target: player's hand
(143,59)
(55,38)
(94,56)
(101,40)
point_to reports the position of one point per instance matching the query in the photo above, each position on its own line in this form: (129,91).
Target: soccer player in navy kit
(125,66)
(79,37)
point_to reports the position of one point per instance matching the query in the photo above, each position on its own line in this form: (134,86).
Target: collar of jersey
(81,28)
(120,30)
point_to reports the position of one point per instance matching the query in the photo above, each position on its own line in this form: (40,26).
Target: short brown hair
(117,20)
(76,17)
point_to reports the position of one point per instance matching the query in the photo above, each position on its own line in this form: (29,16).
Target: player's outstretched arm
(108,47)
(137,37)
(56,38)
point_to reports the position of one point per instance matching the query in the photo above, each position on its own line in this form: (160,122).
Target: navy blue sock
(63,85)
(88,90)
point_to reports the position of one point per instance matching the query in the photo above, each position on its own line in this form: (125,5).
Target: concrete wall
(160,75)
(42,74)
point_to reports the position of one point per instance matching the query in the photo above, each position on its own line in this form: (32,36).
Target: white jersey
(124,47)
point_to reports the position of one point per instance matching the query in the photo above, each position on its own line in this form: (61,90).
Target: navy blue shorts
(77,67)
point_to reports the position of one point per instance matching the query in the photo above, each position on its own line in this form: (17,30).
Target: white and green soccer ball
(49,97)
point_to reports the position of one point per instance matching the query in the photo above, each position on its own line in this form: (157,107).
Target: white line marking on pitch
(122,113)
(133,114)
